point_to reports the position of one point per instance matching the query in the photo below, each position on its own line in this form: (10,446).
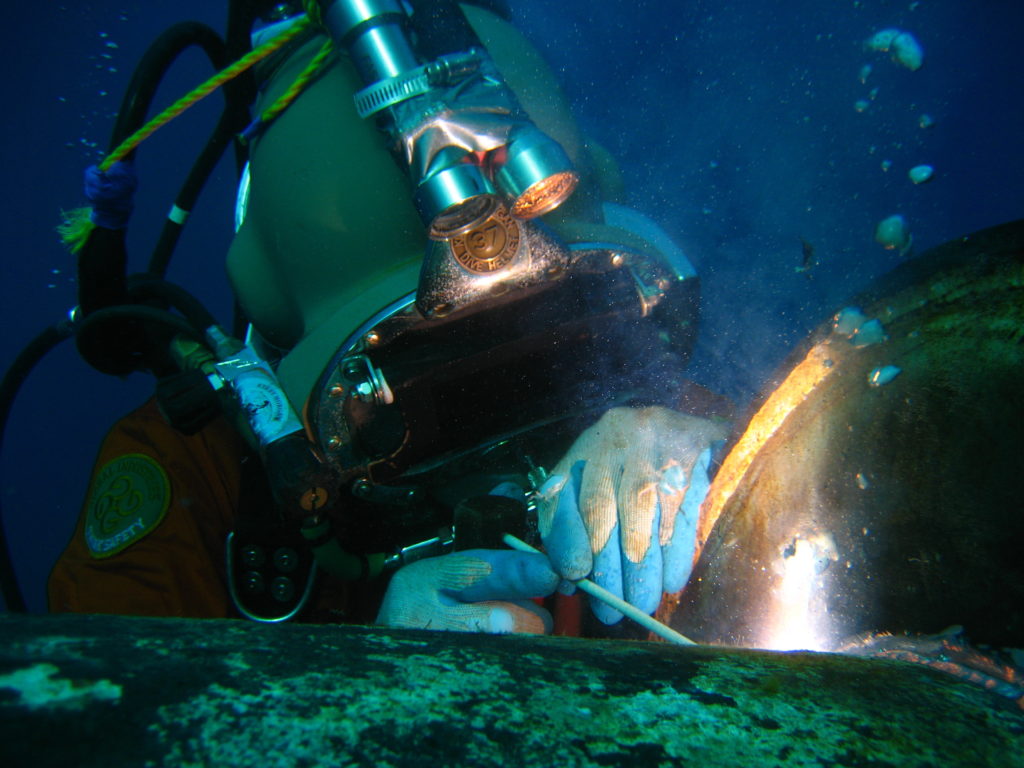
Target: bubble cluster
(892,232)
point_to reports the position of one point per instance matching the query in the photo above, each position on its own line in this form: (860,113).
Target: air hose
(15,376)
(104,269)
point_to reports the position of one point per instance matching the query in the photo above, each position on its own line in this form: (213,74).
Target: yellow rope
(203,91)
(77,224)
(300,83)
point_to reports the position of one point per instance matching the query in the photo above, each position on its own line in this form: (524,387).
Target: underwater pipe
(142,691)
(877,488)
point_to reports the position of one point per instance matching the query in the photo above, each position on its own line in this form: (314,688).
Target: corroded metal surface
(102,691)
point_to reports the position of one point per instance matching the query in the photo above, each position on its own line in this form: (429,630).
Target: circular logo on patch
(129,498)
(489,247)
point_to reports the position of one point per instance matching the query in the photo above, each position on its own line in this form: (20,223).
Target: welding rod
(606,597)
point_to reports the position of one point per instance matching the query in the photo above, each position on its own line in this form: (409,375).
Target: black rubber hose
(102,265)
(142,288)
(242,15)
(102,261)
(231,122)
(154,65)
(120,340)
(15,376)
(239,93)
(134,108)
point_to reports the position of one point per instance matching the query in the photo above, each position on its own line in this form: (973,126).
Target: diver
(454,329)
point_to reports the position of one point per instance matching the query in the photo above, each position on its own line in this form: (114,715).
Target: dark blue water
(734,123)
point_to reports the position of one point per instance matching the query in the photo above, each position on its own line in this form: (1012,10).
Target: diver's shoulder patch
(129,498)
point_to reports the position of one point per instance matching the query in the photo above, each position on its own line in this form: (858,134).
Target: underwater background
(754,133)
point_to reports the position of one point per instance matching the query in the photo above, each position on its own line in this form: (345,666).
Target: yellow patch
(129,498)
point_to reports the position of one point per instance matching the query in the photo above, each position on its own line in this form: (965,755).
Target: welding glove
(622,505)
(477,590)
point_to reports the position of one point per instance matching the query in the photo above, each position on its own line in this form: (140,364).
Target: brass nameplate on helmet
(489,247)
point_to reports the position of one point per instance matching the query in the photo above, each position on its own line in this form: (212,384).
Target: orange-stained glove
(622,505)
